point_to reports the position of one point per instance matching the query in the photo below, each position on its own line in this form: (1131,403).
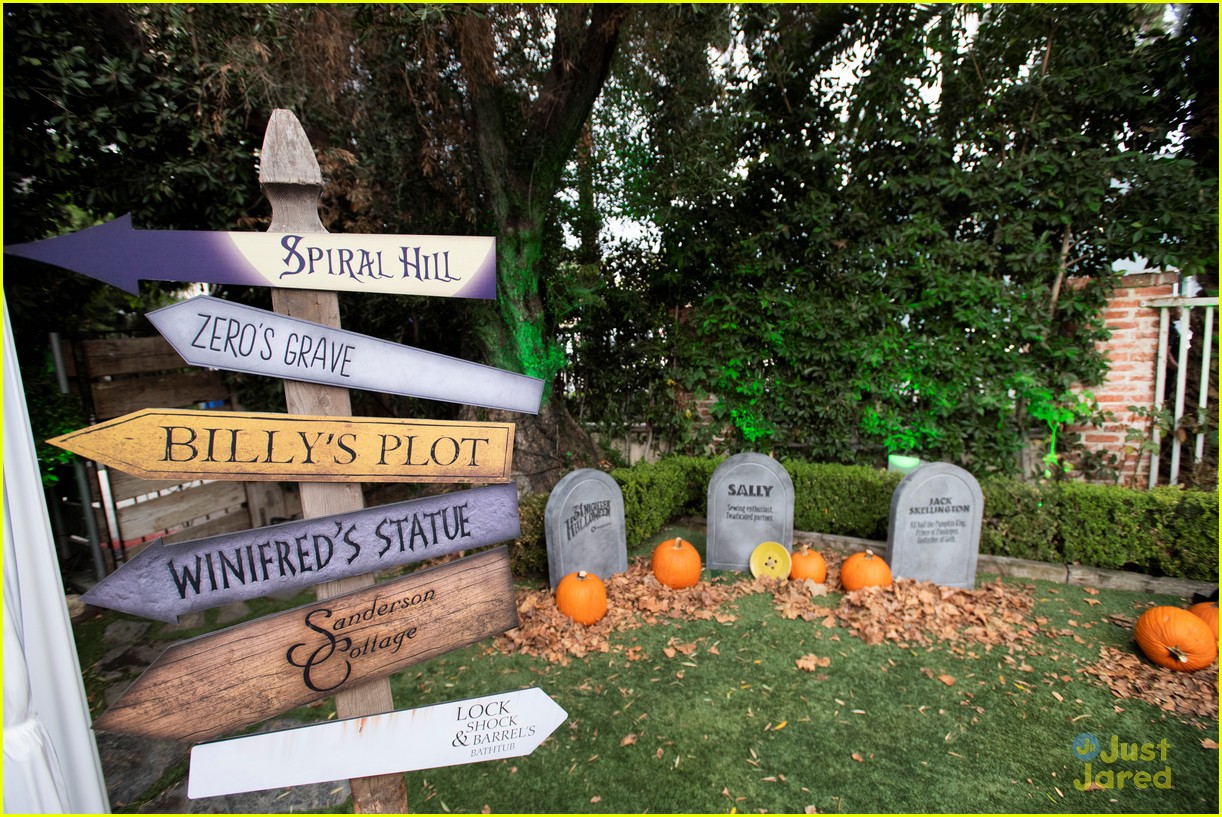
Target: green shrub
(1185,532)
(844,500)
(1018,521)
(1103,526)
(528,553)
(654,494)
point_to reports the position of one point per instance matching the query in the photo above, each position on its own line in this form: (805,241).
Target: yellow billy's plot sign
(188,444)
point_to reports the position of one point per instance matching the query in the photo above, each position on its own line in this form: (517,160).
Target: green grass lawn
(731,723)
(736,725)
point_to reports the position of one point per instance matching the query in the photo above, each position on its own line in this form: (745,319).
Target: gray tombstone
(584,526)
(935,518)
(750,501)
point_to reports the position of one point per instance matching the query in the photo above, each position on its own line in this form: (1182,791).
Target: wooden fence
(116,376)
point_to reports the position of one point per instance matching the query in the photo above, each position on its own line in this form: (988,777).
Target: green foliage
(528,553)
(1185,531)
(1167,531)
(845,500)
(893,263)
(656,493)
(1018,520)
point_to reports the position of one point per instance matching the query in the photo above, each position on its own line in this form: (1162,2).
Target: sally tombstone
(584,526)
(750,501)
(935,519)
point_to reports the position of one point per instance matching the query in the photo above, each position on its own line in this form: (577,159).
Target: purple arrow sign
(166,581)
(220,334)
(114,252)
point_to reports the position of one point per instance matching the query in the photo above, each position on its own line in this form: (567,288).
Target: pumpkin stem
(869,553)
(581,574)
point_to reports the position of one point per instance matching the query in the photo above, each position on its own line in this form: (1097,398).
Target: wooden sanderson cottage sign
(204,687)
(440,266)
(189,444)
(493,727)
(218,334)
(166,581)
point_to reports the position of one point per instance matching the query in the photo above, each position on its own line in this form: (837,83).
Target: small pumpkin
(1176,639)
(807,563)
(676,563)
(864,569)
(582,596)
(1207,611)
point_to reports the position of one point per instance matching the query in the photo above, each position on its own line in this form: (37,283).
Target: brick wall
(1132,353)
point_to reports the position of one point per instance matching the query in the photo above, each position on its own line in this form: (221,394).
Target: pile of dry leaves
(911,612)
(634,597)
(905,613)
(1128,675)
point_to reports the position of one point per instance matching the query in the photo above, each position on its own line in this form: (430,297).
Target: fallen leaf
(811,810)
(1209,743)
(949,680)
(1092,591)
(1060,698)
(595,799)
(857,757)
(628,739)
(811,662)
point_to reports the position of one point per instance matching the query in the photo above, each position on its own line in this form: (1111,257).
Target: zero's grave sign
(934,531)
(493,727)
(219,334)
(440,266)
(166,581)
(204,687)
(189,444)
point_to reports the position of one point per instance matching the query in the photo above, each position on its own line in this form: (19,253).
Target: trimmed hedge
(1168,531)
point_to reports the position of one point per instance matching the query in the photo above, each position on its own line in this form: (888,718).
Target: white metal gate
(1180,365)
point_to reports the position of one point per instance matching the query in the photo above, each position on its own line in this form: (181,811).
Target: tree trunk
(522,168)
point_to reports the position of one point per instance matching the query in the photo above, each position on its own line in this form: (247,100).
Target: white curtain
(51,762)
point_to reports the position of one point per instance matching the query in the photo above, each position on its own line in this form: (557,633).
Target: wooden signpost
(440,266)
(204,687)
(356,634)
(493,727)
(166,581)
(190,444)
(224,335)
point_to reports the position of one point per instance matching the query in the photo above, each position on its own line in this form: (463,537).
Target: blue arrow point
(103,252)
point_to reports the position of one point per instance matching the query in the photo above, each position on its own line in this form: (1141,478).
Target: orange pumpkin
(808,564)
(676,563)
(582,597)
(864,569)
(1207,611)
(1176,639)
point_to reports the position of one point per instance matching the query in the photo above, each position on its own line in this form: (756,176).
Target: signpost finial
(290,176)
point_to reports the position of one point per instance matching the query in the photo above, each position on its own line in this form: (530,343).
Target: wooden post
(292,180)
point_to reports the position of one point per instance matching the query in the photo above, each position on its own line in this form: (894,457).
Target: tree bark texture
(522,148)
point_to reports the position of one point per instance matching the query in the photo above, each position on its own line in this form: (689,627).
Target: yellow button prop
(770,559)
